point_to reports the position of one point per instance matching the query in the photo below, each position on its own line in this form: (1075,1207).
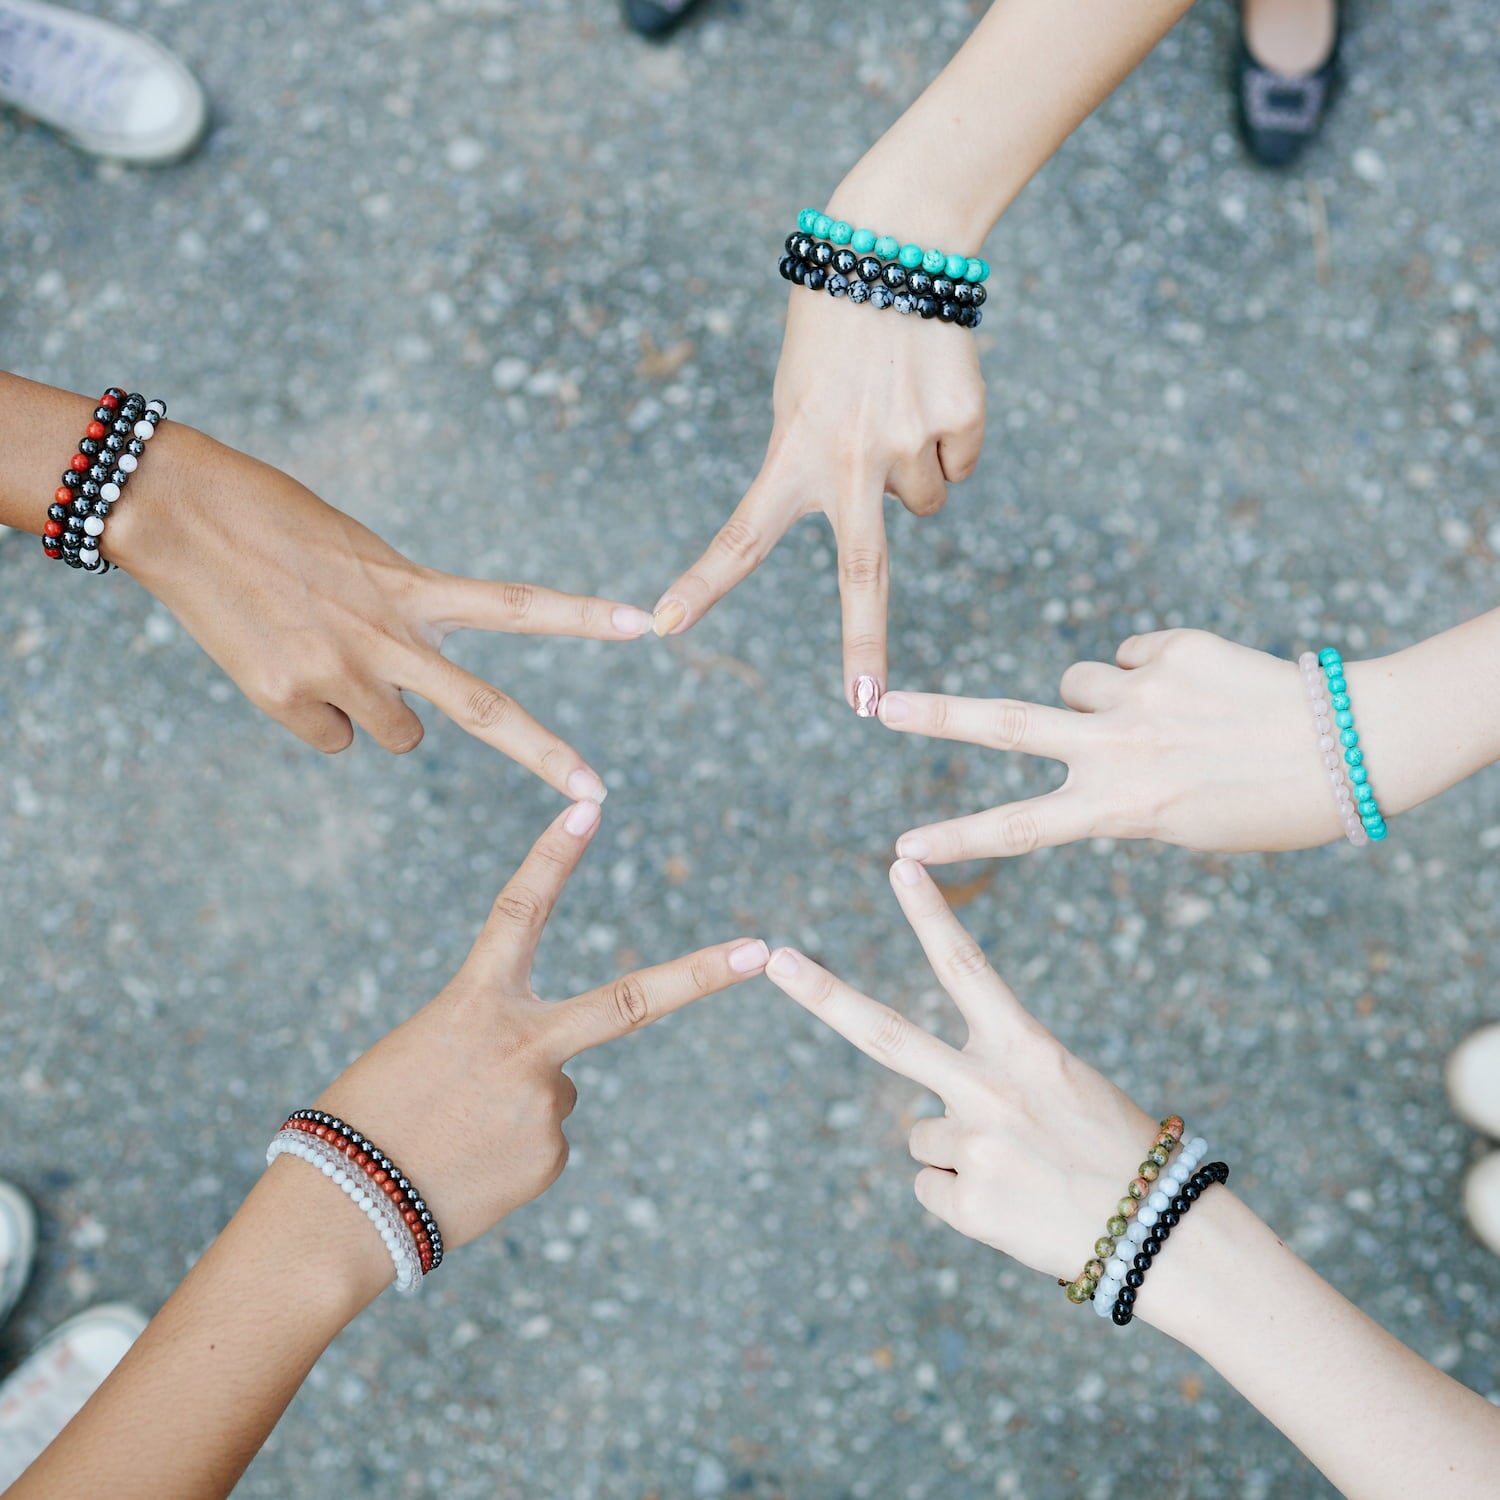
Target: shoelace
(55,71)
(34,1410)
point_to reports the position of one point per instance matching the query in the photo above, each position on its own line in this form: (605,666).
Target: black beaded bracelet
(1205,1177)
(383,1172)
(97,474)
(820,266)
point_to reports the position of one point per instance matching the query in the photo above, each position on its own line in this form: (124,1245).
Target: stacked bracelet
(1338,741)
(381,1212)
(383,1176)
(1151,1244)
(882,281)
(866,242)
(1129,1207)
(108,454)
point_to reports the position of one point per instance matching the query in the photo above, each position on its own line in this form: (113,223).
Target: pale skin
(871,403)
(469,1097)
(1032,1153)
(317,621)
(1193,740)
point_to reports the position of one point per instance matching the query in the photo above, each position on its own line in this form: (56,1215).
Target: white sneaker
(17,1246)
(59,1375)
(1473,1079)
(109,90)
(1482,1200)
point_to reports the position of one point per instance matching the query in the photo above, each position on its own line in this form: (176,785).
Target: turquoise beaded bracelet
(884,247)
(1347,738)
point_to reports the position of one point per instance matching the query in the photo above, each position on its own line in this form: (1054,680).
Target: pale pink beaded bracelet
(1328,746)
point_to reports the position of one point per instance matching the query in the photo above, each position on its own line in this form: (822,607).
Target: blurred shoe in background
(1286,67)
(104,88)
(1473,1079)
(17,1247)
(655,18)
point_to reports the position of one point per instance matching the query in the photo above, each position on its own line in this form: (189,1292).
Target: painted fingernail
(630,621)
(912,846)
(784,964)
(908,871)
(749,957)
(581,817)
(894,709)
(586,786)
(866,696)
(668,616)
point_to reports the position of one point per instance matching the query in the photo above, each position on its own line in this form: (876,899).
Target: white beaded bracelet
(1157,1201)
(397,1238)
(1328,746)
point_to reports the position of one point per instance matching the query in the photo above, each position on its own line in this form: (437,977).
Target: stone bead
(893,276)
(862,241)
(1159,1155)
(1331,760)
(840,232)
(859,291)
(844,262)
(919,281)
(978,296)
(837,285)
(1149,1217)
(1198,1147)
(820,226)
(816,279)
(881,295)
(976,269)
(144,430)
(1076,1292)
(1358,775)
(1158,1200)
(88,556)
(955,266)
(1354,756)
(1103,1305)
(870,268)
(927,307)
(1125,1208)
(1149,1170)
(805,220)
(1134,1279)
(1328,657)
(905,303)
(1104,1247)
(1139,1187)
(1337,697)
(1117,1224)
(948,311)
(1095,1269)
(910,256)
(1376,832)
(1137,1232)
(94,526)
(1173,1126)
(942,288)
(934,261)
(1339,686)
(1343,718)
(1325,743)
(887,247)
(1116,1267)
(784,267)
(822,254)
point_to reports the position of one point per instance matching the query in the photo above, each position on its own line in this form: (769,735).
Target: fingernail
(586,786)
(581,817)
(630,621)
(908,871)
(866,696)
(912,846)
(668,617)
(784,964)
(749,957)
(894,709)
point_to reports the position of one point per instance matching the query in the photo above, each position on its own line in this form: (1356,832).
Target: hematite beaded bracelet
(1123,1310)
(383,1172)
(108,454)
(822,266)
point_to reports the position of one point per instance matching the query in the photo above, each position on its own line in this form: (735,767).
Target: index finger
(527,609)
(636,1000)
(742,544)
(999,723)
(864,593)
(876,1029)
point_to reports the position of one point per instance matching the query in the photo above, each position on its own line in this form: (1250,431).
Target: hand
(1190,739)
(866,403)
(320,623)
(469,1095)
(1035,1148)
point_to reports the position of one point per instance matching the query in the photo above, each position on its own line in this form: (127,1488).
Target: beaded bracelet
(108,454)
(1123,1310)
(1339,741)
(1140,1187)
(865,241)
(400,1243)
(820,266)
(382,1172)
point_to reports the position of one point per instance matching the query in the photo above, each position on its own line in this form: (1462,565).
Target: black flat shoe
(656,18)
(1278,116)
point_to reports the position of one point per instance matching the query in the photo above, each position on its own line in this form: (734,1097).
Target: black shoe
(1278,116)
(656,18)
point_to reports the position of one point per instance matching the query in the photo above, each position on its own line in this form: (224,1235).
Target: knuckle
(519,907)
(487,708)
(1020,833)
(551,758)
(519,598)
(888,1034)
(862,567)
(739,539)
(703,973)
(967,959)
(864,644)
(1012,723)
(821,990)
(627,1002)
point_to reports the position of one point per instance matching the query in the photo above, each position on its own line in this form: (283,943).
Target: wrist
(144,530)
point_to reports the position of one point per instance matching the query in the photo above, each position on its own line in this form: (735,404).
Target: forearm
(193,1401)
(1335,1382)
(1030,74)
(1429,716)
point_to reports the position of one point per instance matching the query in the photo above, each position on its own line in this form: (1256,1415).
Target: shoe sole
(18,1217)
